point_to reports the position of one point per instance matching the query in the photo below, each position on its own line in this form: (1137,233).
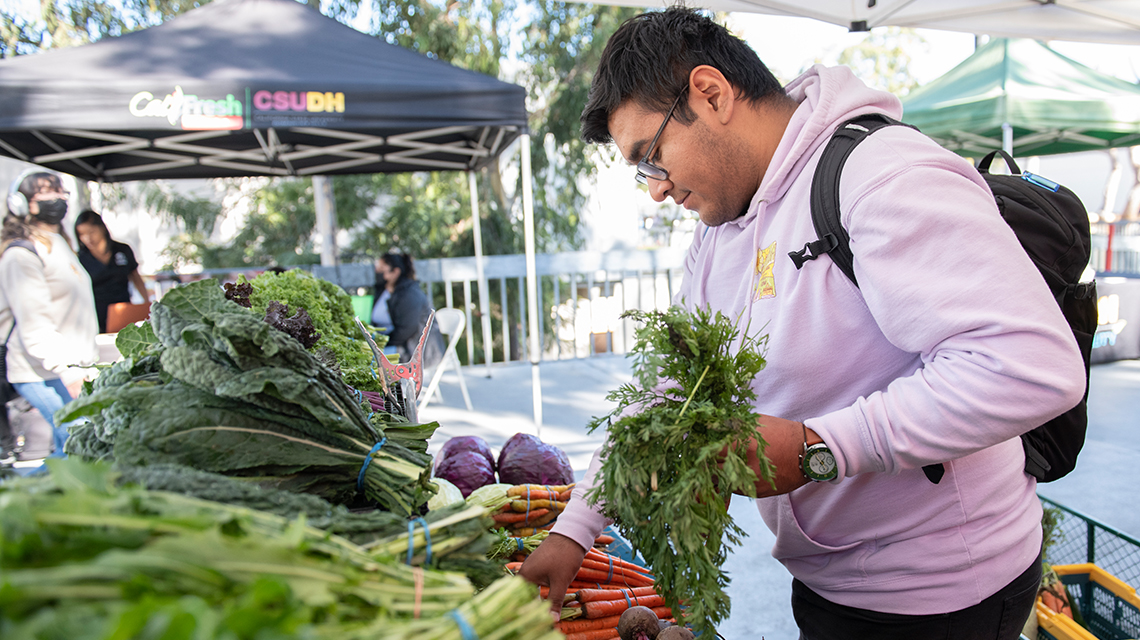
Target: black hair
(401,261)
(87,216)
(649,58)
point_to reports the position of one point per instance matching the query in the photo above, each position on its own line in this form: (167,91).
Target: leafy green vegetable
(330,310)
(676,451)
(459,543)
(223,391)
(84,559)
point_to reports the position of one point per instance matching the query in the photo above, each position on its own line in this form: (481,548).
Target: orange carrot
(583,624)
(601,556)
(663,613)
(615,570)
(565,495)
(597,634)
(604,540)
(513,567)
(515,518)
(535,519)
(603,608)
(588,574)
(604,586)
(593,595)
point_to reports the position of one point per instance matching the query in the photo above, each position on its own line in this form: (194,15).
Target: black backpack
(1053,227)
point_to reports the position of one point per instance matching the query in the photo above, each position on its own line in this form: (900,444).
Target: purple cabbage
(527,460)
(467,470)
(467,443)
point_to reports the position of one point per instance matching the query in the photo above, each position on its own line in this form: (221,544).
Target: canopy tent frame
(270,157)
(1019,95)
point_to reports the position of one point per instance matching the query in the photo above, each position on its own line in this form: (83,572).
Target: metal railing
(1079,538)
(583,294)
(1116,248)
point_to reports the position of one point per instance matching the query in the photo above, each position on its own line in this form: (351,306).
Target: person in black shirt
(110,264)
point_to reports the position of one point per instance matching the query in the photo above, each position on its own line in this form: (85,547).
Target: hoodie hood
(827,96)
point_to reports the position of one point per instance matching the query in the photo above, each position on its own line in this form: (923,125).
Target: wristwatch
(817,462)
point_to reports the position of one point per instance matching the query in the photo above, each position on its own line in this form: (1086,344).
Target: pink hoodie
(952,347)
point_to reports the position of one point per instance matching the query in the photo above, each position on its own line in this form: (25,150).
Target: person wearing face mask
(110,264)
(47,310)
(402,305)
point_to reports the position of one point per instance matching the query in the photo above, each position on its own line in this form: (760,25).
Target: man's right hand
(554,564)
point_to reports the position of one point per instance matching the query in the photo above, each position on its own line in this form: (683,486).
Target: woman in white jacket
(47,312)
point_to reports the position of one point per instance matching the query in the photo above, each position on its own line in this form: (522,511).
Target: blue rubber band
(522,547)
(465,629)
(367,459)
(411,540)
(526,520)
(627,602)
(610,578)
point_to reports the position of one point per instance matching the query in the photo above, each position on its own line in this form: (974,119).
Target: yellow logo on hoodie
(765,281)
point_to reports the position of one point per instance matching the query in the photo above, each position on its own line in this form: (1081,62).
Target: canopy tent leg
(1007,138)
(484,310)
(531,283)
(326,219)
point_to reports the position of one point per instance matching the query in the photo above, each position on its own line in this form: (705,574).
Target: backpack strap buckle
(814,249)
(1082,290)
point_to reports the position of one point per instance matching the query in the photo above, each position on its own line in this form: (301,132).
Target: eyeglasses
(645,168)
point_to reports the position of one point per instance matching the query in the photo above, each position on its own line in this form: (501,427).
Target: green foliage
(563,46)
(883,58)
(677,449)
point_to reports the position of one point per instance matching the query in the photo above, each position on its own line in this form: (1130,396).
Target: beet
(638,623)
(675,632)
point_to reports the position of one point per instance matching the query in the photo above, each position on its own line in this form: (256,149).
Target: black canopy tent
(261,88)
(250,87)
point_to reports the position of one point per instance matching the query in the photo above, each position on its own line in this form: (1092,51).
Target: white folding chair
(451,323)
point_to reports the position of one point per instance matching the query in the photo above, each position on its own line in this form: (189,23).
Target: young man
(948,350)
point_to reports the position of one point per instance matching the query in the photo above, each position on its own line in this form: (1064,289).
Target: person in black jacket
(408,309)
(111,264)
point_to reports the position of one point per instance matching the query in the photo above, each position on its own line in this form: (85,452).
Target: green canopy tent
(1020,95)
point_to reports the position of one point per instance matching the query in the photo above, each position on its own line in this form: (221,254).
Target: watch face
(819,463)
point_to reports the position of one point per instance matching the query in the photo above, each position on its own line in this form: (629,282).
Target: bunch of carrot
(603,589)
(533,508)
(601,611)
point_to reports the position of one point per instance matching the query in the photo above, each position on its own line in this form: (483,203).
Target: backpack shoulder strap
(23,244)
(833,239)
